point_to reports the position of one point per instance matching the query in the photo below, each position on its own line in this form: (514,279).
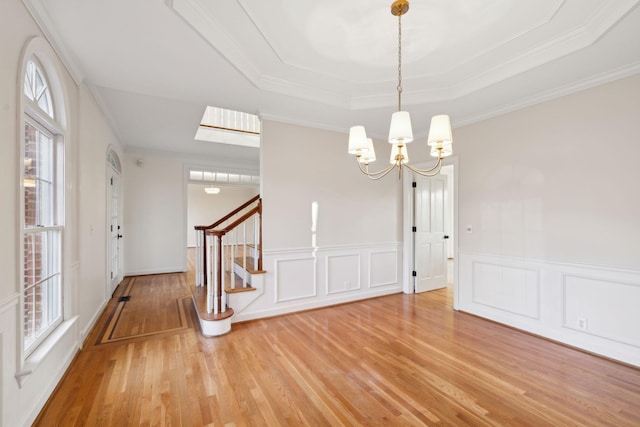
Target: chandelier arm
(427,172)
(376,175)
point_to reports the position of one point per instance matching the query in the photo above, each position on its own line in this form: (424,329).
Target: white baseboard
(155,271)
(94,319)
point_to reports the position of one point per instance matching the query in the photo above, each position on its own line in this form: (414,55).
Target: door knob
(119,236)
(446,237)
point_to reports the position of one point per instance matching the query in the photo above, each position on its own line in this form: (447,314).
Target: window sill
(36,358)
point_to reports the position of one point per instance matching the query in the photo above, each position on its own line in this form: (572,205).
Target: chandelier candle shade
(400,132)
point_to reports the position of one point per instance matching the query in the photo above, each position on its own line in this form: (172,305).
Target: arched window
(42,195)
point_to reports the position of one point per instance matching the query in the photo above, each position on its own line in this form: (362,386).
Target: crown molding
(37,10)
(584,84)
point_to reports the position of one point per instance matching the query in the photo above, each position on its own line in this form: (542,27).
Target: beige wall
(204,209)
(557,181)
(551,194)
(300,166)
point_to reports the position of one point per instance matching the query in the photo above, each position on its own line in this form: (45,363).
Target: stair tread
(249,268)
(239,288)
(199,296)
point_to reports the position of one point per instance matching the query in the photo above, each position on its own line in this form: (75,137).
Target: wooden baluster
(259,254)
(219,275)
(255,242)
(206,267)
(198,260)
(244,254)
(209,261)
(224,267)
(234,255)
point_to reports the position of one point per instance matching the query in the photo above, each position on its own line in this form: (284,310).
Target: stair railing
(217,248)
(201,247)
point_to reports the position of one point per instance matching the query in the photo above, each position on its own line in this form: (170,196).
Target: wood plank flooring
(396,360)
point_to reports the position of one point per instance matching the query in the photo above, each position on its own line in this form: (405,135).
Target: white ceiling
(154,65)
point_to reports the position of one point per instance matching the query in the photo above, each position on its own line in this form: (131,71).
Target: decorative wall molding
(331,249)
(295,270)
(9,302)
(588,301)
(507,287)
(566,264)
(589,307)
(383,268)
(345,274)
(290,283)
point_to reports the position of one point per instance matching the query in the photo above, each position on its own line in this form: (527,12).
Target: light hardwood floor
(395,360)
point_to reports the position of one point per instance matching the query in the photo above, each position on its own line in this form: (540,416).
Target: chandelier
(400,132)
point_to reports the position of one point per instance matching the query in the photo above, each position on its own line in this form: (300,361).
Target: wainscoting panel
(295,279)
(588,304)
(343,273)
(590,307)
(511,289)
(383,268)
(8,340)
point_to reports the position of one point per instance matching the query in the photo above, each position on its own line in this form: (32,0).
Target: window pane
(45,102)
(36,88)
(42,269)
(38,177)
(42,309)
(28,80)
(42,234)
(41,256)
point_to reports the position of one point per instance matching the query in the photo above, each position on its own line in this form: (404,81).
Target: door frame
(407,222)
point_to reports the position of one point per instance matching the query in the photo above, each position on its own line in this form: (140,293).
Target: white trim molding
(9,302)
(593,308)
(344,273)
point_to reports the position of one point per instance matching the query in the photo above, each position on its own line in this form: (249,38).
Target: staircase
(228,274)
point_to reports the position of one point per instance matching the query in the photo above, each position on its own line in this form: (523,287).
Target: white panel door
(430,249)
(115,231)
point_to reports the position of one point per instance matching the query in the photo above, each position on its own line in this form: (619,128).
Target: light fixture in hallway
(400,131)
(211,190)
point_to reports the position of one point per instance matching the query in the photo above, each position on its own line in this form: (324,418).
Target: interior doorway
(430,224)
(114,222)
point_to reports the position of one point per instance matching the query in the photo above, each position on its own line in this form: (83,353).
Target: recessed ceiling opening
(229,127)
(209,177)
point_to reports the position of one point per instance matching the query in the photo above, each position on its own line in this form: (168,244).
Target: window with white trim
(42,209)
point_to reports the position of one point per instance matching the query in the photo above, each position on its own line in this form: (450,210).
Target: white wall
(96,139)
(205,209)
(302,165)
(551,193)
(357,250)
(155,216)
(87,139)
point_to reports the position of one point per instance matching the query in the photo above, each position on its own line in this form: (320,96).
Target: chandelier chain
(400,133)
(399,62)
